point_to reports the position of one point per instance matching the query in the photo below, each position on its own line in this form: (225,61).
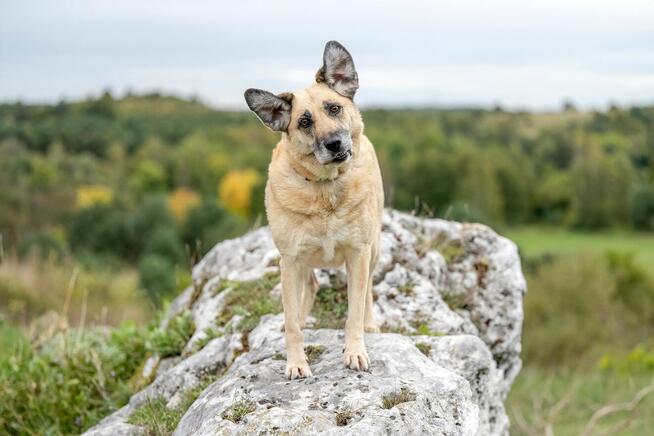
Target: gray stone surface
(460,283)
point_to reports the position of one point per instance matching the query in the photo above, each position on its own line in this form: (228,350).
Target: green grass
(172,340)
(537,241)
(251,300)
(77,377)
(565,402)
(237,411)
(330,308)
(424,348)
(158,420)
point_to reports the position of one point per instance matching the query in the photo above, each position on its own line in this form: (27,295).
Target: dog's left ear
(273,110)
(338,70)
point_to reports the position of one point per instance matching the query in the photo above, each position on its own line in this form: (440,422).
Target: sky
(520,54)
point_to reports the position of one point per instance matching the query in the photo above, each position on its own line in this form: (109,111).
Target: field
(107,203)
(606,374)
(538,241)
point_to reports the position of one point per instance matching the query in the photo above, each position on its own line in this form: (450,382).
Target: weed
(424,330)
(394,398)
(238,410)
(406,289)
(424,348)
(210,334)
(313,352)
(344,417)
(455,300)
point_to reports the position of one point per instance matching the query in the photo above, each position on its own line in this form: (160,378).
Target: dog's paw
(372,328)
(356,358)
(297,370)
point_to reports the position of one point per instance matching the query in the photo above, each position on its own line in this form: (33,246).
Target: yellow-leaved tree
(93,195)
(236,188)
(180,201)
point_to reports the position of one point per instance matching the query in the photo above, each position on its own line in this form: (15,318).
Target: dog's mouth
(342,156)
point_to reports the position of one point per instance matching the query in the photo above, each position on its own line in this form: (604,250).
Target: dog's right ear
(273,110)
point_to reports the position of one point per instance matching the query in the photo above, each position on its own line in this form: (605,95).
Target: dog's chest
(324,239)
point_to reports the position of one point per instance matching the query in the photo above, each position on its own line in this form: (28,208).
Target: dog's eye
(305,123)
(334,109)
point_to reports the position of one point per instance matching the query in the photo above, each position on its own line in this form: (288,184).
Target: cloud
(527,54)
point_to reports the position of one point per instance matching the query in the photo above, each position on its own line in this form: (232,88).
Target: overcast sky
(520,53)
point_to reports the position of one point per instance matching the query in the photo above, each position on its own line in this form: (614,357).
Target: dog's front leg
(358,267)
(293,278)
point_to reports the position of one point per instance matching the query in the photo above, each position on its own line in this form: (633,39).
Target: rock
(449,296)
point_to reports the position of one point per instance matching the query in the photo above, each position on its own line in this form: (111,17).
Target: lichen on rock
(448,295)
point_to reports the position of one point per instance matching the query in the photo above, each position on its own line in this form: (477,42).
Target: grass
(330,308)
(237,411)
(563,402)
(251,300)
(537,241)
(398,397)
(77,376)
(424,330)
(172,340)
(313,352)
(587,334)
(30,287)
(159,420)
(424,348)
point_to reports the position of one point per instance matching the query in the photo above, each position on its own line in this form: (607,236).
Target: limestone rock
(449,296)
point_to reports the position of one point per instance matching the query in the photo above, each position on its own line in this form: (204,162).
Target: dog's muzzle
(336,148)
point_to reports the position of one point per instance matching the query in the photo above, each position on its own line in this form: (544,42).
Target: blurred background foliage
(105,205)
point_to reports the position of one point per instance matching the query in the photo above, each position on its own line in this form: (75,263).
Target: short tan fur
(324,200)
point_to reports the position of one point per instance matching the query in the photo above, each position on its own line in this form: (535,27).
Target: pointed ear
(273,110)
(338,70)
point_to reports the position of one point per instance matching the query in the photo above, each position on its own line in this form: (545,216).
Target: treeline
(156,180)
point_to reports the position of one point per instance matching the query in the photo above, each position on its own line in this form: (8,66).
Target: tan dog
(324,201)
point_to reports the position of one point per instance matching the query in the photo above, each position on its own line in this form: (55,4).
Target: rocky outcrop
(449,299)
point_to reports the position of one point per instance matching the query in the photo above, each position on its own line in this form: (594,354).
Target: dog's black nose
(333,146)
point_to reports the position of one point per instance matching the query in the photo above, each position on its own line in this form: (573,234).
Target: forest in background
(106,203)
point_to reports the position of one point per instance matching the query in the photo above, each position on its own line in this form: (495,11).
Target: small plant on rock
(424,348)
(394,398)
(344,417)
(238,410)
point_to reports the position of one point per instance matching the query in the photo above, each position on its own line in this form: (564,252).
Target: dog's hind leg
(369,323)
(308,297)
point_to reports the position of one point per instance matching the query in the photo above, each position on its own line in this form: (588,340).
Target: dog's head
(321,121)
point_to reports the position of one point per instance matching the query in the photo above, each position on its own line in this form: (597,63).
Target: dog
(324,201)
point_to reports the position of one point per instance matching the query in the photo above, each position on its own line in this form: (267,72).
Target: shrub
(156,277)
(170,341)
(71,383)
(165,242)
(103,230)
(579,307)
(208,224)
(641,207)
(78,377)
